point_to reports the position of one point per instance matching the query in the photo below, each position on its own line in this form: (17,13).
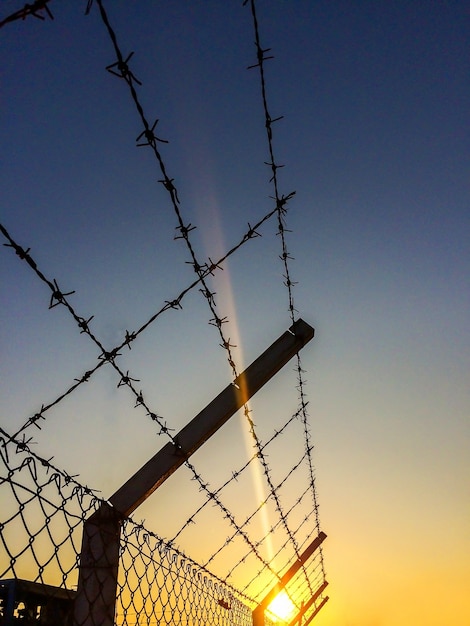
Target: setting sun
(282,607)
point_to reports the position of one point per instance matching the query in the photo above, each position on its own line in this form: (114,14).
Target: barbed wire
(203,270)
(37,9)
(120,68)
(281,522)
(255,579)
(138,528)
(235,476)
(49,508)
(29,481)
(281,204)
(61,298)
(108,356)
(58,297)
(24,445)
(59,477)
(207,598)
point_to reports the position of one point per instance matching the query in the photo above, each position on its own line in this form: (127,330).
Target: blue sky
(375,142)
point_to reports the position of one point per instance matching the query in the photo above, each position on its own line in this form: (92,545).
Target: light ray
(215,242)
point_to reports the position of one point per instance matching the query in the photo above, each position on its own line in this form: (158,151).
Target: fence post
(99,561)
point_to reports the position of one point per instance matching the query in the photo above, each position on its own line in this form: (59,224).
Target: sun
(282,607)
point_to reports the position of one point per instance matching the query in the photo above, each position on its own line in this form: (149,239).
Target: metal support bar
(308,604)
(99,562)
(209,420)
(258,612)
(99,559)
(315,612)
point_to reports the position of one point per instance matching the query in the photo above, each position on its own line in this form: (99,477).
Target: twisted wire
(235,475)
(281,206)
(107,356)
(168,545)
(257,510)
(122,70)
(38,9)
(59,297)
(153,573)
(23,445)
(305,520)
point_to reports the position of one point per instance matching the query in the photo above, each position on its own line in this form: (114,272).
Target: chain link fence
(43,513)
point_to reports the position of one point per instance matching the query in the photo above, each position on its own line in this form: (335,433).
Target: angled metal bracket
(258,612)
(99,559)
(151,475)
(317,609)
(298,618)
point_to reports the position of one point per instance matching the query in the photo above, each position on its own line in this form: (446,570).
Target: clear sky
(375,141)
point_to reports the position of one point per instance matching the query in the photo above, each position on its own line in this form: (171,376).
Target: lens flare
(282,607)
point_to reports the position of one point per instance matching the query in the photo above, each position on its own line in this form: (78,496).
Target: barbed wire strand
(38,9)
(61,298)
(83,323)
(149,548)
(257,510)
(122,70)
(281,202)
(236,474)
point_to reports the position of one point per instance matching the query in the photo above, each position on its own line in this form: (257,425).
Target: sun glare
(282,607)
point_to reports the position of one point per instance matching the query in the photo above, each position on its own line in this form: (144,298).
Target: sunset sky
(375,141)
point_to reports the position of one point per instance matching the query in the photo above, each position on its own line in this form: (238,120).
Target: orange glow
(282,607)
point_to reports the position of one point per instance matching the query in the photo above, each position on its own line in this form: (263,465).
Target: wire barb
(150,136)
(58,297)
(35,9)
(121,69)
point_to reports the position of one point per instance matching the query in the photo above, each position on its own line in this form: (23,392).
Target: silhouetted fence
(44,509)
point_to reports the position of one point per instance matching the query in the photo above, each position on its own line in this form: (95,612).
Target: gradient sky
(375,141)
